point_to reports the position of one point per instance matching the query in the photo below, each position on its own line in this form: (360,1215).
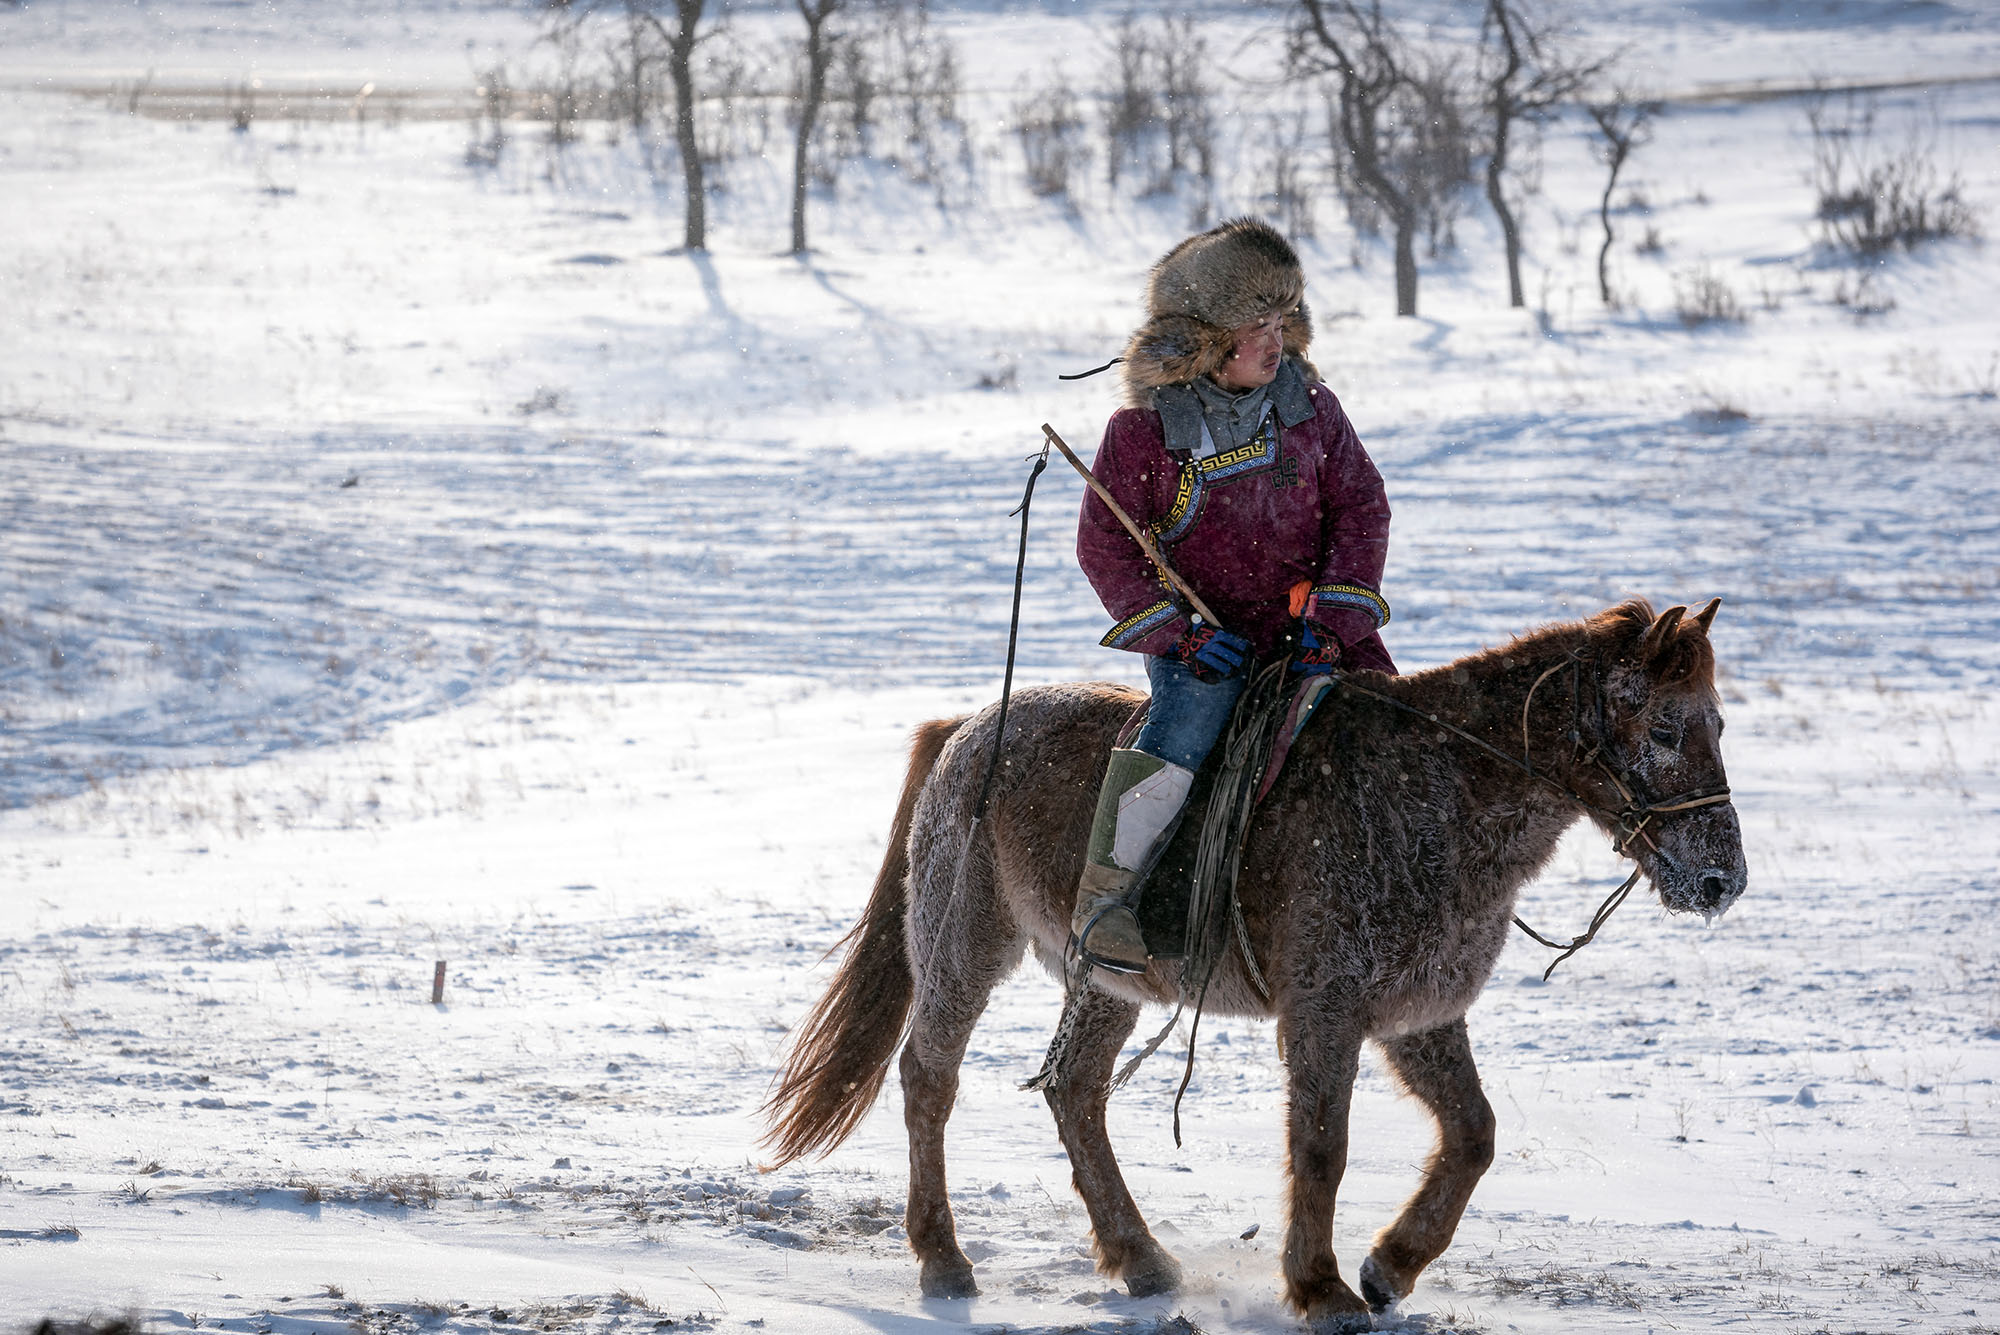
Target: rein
(1013,638)
(1628,822)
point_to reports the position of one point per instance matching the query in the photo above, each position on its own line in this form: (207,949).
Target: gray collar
(1182,417)
(1289,394)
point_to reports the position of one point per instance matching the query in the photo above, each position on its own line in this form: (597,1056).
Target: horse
(1377,883)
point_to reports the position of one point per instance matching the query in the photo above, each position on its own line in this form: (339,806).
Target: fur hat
(1201,292)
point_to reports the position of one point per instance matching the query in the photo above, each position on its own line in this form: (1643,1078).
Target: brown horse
(1378,882)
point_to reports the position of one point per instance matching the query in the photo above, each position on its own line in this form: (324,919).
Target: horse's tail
(840,1053)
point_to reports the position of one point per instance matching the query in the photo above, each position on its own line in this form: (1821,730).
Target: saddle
(1271,721)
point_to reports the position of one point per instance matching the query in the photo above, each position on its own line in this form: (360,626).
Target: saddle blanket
(1163,896)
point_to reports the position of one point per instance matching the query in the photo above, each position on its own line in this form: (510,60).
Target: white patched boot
(1137,809)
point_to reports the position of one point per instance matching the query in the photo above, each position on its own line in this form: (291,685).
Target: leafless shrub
(239,104)
(134,93)
(1051,133)
(1650,243)
(1291,190)
(565,93)
(854,86)
(892,90)
(486,139)
(1159,116)
(633,58)
(738,120)
(545,399)
(925,130)
(401,1189)
(1190,117)
(1985,385)
(1701,297)
(1870,199)
(1438,145)
(1132,109)
(1862,296)
(94,1325)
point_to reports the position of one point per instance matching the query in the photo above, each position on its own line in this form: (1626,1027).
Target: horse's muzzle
(1715,890)
(1709,891)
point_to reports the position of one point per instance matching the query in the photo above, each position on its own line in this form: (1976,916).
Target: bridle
(1628,821)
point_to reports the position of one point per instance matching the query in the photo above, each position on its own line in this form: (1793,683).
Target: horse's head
(1659,768)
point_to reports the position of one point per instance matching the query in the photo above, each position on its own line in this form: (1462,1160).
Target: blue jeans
(1188,714)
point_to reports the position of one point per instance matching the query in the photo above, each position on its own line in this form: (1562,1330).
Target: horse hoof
(1339,1311)
(1376,1288)
(949,1281)
(1162,1275)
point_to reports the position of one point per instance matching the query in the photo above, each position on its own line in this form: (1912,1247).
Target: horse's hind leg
(1436,1066)
(962,942)
(1125,1246)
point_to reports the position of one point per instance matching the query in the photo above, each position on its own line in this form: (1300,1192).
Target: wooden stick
(1144,539)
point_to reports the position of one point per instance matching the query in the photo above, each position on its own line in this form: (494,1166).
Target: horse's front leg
(1324,1057)
(1436,1066)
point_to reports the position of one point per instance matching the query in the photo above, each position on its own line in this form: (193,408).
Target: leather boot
(1137,809)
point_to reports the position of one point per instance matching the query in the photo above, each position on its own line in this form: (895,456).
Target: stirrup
(1105,963)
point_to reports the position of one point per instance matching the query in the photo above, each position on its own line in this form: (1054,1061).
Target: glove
(1212,652)
(1319,653)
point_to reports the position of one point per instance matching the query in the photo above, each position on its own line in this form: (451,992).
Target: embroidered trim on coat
(1180,516)
(1356,596)
(1139,625)
(1196,474)
(1243,459)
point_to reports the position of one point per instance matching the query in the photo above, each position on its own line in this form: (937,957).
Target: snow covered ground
(401,563)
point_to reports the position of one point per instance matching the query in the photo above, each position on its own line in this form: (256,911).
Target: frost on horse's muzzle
(1703,871)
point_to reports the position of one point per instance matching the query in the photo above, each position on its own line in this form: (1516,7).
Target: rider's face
(1257,349)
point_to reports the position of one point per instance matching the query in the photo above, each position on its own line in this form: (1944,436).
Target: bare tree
(1528,74)
(680,41)
(676,35)
(1401,118)
(1367,57)
(1625,123)
(819,56)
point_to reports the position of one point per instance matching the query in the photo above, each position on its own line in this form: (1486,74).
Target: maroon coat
(1242,527)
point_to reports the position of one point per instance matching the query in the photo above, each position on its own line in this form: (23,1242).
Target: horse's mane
(1683,658)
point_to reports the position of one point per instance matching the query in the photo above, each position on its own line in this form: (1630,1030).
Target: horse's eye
(1664,735)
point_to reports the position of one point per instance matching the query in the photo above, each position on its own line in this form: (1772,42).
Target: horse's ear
(1706,616)
(1659,637)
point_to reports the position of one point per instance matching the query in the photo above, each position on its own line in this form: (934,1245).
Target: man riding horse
(1254,484)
